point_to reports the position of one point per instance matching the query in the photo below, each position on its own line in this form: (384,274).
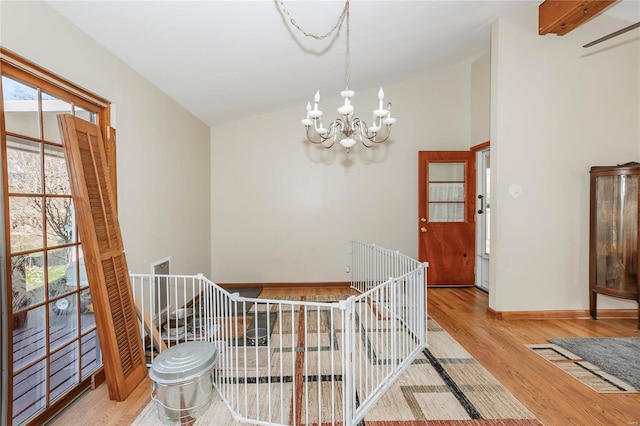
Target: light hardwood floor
(499,345)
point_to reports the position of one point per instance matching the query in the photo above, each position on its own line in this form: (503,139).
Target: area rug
(607,365)
(445,386)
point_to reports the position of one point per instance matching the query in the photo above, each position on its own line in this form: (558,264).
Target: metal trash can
(183,381)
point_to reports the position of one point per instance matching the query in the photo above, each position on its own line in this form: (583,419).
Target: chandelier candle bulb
(307,121)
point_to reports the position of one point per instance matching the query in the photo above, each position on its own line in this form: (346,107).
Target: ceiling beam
(561,16)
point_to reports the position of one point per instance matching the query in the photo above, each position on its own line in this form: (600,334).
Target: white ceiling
(224,60)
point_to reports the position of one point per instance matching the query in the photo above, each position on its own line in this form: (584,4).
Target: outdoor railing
(313,360)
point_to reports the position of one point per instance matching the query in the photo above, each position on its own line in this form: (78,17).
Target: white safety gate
(295,362)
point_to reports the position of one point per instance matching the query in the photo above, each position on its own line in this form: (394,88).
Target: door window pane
(56,179)
(29,390)
(27,280)
(20,108)
(61,271)
(446,192)
(63,320)
(446,172)
(25,222)
(83,271)
(446,212)
(91,358)
(23,166)
(59,216)
(29,342)
(64,370)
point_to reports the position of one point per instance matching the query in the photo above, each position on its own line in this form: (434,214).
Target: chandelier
(346,129)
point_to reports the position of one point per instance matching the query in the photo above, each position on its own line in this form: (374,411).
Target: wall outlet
(347,269)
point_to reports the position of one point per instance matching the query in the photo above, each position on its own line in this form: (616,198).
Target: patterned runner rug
(581,369)
(445,386)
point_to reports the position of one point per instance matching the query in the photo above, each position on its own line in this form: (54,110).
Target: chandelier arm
(366,133)
(314,137)
(386,136)
(332,131)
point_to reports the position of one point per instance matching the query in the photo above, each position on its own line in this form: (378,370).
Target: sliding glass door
(52,347)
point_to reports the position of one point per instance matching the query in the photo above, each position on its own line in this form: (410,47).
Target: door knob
(423,229)
(422,219)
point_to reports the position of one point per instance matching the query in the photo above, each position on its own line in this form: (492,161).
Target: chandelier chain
(337,25)
(348,67)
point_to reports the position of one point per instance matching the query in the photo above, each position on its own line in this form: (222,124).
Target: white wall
(557,110)
(285,210)
(163,151)
(481,99)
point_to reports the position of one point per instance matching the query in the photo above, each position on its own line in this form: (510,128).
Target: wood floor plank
(499,345)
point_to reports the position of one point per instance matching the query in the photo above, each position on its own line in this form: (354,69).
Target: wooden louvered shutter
(110,149)
(107,272)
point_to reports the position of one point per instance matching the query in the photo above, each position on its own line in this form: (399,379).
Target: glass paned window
(25,223)
(86,115)
(83,271)
(63,371)
(23,166)
(63,320)
(29,391)
(61,271)
(59,216)
(29,342)
(27,280)
(56,178)
(51,107)
(20,108)
(91,357)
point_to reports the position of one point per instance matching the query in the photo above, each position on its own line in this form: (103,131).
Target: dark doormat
(262,320)
(250,292)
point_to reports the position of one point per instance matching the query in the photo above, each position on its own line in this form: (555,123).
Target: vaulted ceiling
(224,60)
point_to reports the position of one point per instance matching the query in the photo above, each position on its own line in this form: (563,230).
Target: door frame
(482,258)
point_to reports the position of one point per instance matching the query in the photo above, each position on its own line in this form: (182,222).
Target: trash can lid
(183,362)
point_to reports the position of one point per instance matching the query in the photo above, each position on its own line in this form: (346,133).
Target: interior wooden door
(107,272)
(446,216)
